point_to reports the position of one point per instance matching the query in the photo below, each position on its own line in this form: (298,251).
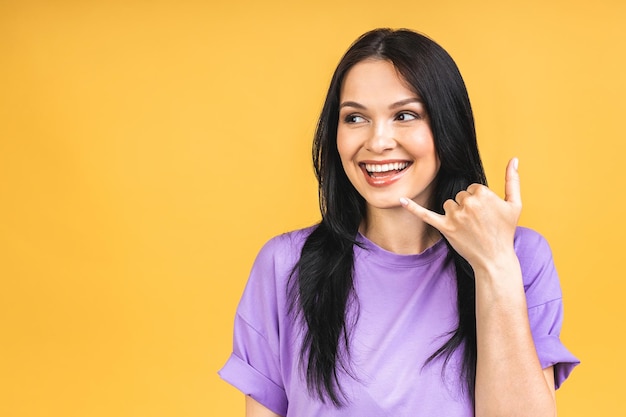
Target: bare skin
(480,226)
(382,121)
(256,409)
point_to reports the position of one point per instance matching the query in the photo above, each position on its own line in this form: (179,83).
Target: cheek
(422,147)
(426,144)
(435,158)
(344,149)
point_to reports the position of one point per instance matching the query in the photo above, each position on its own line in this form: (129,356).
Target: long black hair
(321,285)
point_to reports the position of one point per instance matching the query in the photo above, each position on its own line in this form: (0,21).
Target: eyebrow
(392,106)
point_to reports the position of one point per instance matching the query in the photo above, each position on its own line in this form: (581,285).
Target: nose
(381,138)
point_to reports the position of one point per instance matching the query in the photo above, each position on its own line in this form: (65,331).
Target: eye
(353,118)
(406,116)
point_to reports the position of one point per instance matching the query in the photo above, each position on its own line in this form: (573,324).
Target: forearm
(481,227)
(509,378)
(256,409)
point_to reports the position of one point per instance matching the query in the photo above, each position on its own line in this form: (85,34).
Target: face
(384,137)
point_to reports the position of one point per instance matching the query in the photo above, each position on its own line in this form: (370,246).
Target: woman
(417,294)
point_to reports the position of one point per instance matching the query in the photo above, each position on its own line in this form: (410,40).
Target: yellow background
(149,148)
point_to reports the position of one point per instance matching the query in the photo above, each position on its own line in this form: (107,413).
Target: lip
(386,180)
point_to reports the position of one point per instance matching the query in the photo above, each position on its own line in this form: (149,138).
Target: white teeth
(395,166)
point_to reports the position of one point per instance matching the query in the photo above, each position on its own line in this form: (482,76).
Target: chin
(387,203)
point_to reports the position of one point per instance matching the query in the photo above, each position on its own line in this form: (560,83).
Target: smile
(373,169)
(383,173)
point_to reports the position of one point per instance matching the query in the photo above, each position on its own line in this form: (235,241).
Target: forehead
(375,78)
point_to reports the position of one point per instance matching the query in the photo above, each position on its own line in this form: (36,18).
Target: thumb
(436,220)
(512,192)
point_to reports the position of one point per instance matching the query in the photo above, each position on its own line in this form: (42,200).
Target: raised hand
(479,225)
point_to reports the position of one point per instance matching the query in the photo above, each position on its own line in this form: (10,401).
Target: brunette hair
(321,287)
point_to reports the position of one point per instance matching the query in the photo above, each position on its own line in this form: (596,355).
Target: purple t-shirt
(406,307)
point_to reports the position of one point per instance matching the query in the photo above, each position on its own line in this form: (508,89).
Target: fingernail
(515,163)
(404,201)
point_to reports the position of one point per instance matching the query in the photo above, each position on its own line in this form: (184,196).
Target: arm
(481,227)
(509,378)
(256,409)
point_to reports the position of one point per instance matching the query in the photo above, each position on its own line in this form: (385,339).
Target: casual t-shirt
(405,308)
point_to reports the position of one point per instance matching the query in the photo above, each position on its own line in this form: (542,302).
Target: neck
(398,231)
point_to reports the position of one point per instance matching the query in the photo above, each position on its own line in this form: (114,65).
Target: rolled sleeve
(545,323)
(255,366)
(250,381)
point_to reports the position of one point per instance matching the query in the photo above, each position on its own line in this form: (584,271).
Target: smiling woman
(417,294)
(384,136)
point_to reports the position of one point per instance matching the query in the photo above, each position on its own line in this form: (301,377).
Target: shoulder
(266,288)
(279,255)
(284,248)
(541,280)
(530,244)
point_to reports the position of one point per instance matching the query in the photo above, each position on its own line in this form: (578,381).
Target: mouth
(382,170)
(380,174)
